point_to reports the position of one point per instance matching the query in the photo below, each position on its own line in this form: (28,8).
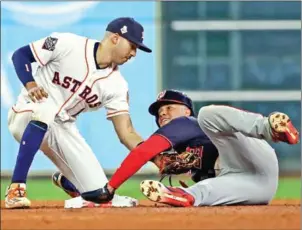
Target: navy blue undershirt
(96,45)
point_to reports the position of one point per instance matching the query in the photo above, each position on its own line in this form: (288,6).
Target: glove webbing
(183,184)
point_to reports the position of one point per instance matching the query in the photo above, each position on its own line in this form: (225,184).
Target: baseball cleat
(158,192)
(283,129)
(57,180)
(117,201)
(15,196)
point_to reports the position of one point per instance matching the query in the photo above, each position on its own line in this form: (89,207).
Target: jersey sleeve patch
(50,44)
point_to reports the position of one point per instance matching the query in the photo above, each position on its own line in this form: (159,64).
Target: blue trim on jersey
(95,49)
(96,45)
(22,59)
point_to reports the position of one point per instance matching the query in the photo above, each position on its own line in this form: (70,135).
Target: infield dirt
(281,214)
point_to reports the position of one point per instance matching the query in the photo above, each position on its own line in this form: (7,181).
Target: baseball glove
(178,163)
(173,163)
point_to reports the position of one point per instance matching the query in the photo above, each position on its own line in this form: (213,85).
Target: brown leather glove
(177,163)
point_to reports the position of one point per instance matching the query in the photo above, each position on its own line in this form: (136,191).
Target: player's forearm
(131,139)
(137,158)
(22,59)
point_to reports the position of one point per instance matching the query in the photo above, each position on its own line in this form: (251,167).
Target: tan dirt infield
(281,214)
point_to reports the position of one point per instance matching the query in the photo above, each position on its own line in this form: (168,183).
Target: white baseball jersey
(67,71)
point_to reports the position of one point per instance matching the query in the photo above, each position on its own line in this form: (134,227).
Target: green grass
(289,188)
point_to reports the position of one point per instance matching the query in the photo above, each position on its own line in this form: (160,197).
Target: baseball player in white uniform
(75,75)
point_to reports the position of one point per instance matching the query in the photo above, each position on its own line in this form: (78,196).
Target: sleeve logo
(50,44)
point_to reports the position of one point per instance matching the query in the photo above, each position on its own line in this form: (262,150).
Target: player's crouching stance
(249,166)
(75,75)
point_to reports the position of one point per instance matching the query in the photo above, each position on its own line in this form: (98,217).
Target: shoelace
(182,183)
(166,175)
(19,192)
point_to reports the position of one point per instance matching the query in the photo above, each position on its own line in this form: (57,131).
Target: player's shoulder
(185,124)
(181,123)
(185,120)
(183,129)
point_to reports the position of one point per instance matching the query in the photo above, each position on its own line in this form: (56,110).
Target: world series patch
(50,44)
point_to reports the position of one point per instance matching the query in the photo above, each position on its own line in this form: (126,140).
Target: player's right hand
(35,92)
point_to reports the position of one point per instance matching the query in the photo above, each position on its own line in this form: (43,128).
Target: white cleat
(15,196)
(117,201)
(124,201)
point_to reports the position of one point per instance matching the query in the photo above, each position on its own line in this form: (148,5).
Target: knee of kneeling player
(205,114)
(93,196)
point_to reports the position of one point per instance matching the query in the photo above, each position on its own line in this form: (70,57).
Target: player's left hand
(35,92)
